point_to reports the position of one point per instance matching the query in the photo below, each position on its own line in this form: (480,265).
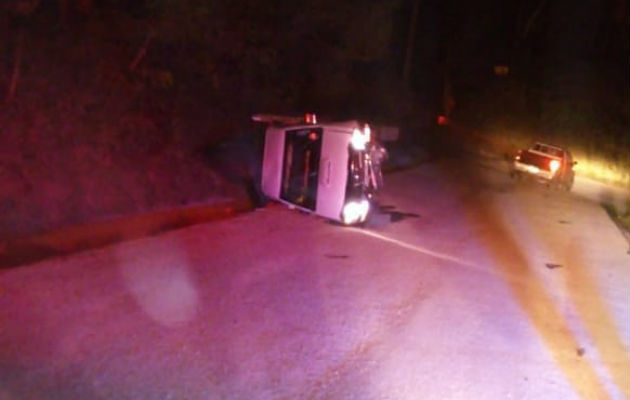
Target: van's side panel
(272,162)
(333,173)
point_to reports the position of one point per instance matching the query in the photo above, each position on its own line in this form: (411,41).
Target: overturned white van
(320,168)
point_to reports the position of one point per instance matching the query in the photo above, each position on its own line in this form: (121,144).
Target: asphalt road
(465,286)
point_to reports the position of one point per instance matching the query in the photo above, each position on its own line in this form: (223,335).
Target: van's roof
(289,121)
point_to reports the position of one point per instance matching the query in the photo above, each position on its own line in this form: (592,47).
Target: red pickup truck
(545,163)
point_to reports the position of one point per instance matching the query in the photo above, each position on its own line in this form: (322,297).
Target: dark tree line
(567,61)
(244,55)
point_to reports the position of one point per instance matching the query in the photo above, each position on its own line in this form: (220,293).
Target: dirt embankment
(59,173)
(84,139)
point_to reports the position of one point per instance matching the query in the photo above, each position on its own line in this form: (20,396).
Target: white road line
(418,249)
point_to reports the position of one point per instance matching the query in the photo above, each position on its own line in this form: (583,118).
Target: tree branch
(532,18)
(411,37)
(17,62)
(142,51)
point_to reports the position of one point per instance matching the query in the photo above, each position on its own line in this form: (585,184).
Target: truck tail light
(553,166)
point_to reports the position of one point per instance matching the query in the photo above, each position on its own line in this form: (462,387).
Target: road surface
(465,286)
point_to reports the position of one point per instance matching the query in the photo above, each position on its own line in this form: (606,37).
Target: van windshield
(302,151)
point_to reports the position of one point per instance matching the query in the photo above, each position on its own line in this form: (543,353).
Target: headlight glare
(355,211)
(358,140)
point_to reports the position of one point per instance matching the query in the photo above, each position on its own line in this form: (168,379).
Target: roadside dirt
(28,249)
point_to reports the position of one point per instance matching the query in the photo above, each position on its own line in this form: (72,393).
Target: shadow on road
(393,214)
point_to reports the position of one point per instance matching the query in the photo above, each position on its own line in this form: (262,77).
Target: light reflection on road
(535,299)
(160,282)
(580,292)
(509,238)
(412,247)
